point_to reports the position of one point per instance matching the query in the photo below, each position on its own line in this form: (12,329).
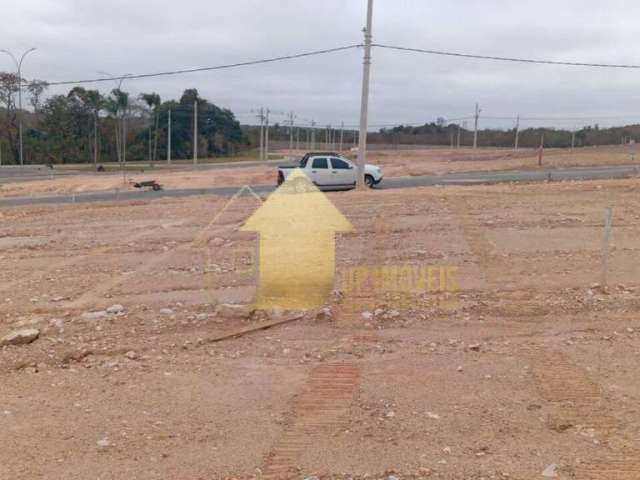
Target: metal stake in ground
(608,220)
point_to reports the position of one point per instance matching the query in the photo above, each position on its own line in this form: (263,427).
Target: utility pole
(364,104)
(266,135)
(95,139)
(541,150)
(341,136)
(292,117)
(573,139)
(313,135)
(517,133)
(195,132)
(150,147)
(475,131)
(458,140)
(261,117)
(124,137)
(298,138)
(169,137)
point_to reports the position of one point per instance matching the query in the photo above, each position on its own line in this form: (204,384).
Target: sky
(75,39)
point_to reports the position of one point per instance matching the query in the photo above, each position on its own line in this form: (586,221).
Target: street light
(119,81)
(19,67)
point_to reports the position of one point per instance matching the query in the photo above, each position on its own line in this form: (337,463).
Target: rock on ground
(94,315)
(20,337)
(230,310)
(115,309)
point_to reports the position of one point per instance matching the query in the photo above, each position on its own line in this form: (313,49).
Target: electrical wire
(206,69)
(340,49)
(506,59)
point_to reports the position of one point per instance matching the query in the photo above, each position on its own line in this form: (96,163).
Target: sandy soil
(395,163)
(527,365)
(441,161)
(168,179)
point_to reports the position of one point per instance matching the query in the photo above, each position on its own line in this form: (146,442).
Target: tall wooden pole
(169,137)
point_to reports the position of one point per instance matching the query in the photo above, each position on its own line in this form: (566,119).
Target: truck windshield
(303,162)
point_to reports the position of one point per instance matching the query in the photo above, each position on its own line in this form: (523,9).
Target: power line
(206,69)
(340,49)
(506,59)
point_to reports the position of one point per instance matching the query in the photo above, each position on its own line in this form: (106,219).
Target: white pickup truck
(330,171)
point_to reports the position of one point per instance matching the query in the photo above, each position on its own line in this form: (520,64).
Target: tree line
(90,126)
(87,125)
(440,133)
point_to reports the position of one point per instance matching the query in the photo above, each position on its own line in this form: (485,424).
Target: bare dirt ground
(395,163)
(526,368)
(441,161)
(169,180)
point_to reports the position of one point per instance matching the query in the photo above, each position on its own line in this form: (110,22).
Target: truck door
(320,173)
(342,172)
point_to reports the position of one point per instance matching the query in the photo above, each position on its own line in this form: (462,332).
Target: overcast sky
(77,38)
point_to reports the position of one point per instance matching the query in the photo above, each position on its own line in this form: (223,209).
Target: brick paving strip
(319,410)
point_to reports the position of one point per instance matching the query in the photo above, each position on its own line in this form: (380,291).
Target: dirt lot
(441,161)
(395,163)
(169,180)
(525,366)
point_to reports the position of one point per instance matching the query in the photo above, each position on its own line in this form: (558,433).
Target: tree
(36,89)
(89,103)
(117,105)
(96,103)
(66,130)
(219,132)
(9,83)
(154,102)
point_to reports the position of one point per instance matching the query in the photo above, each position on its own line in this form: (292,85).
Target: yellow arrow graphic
(297,226)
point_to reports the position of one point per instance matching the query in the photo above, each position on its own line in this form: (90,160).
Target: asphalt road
(475,178)
(27,173)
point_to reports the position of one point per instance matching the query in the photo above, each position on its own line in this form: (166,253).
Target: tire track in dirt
(575,398)
(321,408)
(618,466)
(577,402)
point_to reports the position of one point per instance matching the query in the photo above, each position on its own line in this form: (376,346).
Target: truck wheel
(368,180)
